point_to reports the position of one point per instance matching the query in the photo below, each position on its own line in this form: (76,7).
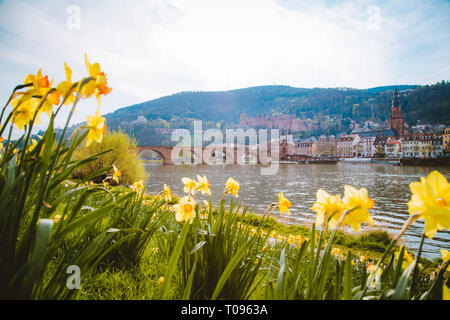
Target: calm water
(388,185)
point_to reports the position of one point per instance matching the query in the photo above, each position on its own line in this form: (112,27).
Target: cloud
(153,48)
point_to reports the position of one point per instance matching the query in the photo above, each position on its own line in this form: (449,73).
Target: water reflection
(388,185)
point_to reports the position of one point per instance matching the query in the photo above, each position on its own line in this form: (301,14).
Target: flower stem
(407,224)
(416,267)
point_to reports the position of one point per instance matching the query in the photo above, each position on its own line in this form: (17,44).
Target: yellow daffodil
(39,86)
(359,202)
(407,258)
(138,185)
(40,83)
(105,184)
(232,186)
(363,258)
(116,174)
(99,85)
(327,207)
(203,185)
(167,193)
(190,185)
(335,251)
(53,98)
(160,281)
(185,210)
(34,143)
(445,255)
(291,239)
(65,86)
(445,292)
(24,112)
(431,200)
(97,128)
(283,204)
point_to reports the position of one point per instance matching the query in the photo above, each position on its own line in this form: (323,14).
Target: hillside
(331,108)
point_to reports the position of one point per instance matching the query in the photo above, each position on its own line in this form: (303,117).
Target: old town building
(393,148)
(446,140)
(344,145)
(379,146)
(304,148)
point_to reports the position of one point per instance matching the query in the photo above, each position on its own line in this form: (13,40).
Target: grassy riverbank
(142,280)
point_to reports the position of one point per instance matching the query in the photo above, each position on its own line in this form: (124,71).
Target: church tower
(396,122)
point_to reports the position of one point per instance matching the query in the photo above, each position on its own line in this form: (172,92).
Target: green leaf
(400,289)
(173,261)
(348,283)
(398,268)
(229,269)
(39,253)
(188,288)
(281,276)
(197,247)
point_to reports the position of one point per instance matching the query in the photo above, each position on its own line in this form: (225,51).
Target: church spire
(395,100)
(396,122)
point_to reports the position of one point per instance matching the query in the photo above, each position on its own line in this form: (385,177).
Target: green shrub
(381,237)
(123,155)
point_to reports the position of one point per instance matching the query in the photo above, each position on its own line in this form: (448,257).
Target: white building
(393,148)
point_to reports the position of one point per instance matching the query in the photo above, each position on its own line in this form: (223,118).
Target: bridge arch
(163,152)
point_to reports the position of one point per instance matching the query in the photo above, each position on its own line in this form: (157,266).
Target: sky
(154,48)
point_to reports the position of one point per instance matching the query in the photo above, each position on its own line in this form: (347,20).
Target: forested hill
(430,103)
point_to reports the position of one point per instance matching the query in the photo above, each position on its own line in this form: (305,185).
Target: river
(388,186)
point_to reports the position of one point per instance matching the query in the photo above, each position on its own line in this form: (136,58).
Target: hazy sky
(153,48)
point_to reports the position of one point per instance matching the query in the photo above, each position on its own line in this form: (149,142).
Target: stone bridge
(233,154)
(236,153)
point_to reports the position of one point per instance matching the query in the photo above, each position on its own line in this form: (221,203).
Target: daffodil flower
(327,207)
(99,85)
(203,185)
(53,98)
(445,292)
(138,185)
(358,202)
(24,112)
(33,145)
(167,193)
(232,187)
(65,86)
(40,83)
(185,210)
(431,201)
(160,281)
(445,255)
(116,174)
(97,127)
(190,185)
(283,204)
(407,258)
